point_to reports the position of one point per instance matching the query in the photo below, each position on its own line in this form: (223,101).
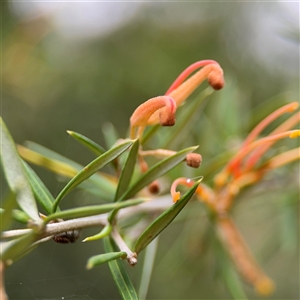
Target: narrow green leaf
(92,168)
(127,170)
(90,210)
(13,250)
(119,273)
(6,215)
(104,232)
(20,216)
(88,143)
(157,171)
(60,165)
(41,193)
(47,153)
(103,258)
(15,174)
(161,222)
(146,276)
(110,134)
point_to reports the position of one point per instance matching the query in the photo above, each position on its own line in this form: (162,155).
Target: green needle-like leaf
(119,274)
(60,165)
(104,232)
(88,143)
(15,174)
(8,204)
(127,170)
(103,258)
(92,168)
(40,191)
(157,171)
(160,223)
(90,210)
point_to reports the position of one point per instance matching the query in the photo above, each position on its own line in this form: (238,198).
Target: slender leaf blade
(103,258)
(60,165)
(6,215)
(41,193)
(92,168)
(127,170)
(88,143)
(161,222)
(15,174)
(91,210)
(119,273)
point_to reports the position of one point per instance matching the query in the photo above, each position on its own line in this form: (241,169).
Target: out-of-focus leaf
(92,168)
(110,134)
(103,258)
(41,193)
(228,273)
(149,259)
(105,185)
(88,143)
(20,216)
(161,222)
(15,174)
(6,215)
(104,232)
(53,165)
(13,250)
(119,274)
(157,171)
(127,170)
(91,210)
(45,152)
(149,133)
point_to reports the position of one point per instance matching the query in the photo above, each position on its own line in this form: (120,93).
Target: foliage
(130,192)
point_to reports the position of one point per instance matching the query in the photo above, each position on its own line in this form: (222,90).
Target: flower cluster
(246,167)
(161,110)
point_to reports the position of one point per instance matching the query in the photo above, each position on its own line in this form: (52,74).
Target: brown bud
(216,79)
(193,160)
(166,120)
(154,187)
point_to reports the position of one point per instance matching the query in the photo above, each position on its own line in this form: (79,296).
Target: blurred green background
(79,65)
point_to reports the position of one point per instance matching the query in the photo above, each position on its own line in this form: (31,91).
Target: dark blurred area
(76,66)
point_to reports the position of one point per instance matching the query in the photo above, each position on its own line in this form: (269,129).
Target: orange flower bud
(193,160)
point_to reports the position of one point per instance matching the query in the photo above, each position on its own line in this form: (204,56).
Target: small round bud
(216,80)
(154,187)
(193,160)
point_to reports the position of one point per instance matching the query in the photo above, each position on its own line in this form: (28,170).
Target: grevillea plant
(134,185)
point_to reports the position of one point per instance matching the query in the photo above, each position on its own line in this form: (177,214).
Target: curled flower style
(252,150)
(242,257)
(242,170)
(180,90)
(164,104)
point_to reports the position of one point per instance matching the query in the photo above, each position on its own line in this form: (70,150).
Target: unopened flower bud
(216,79)
(154,187)
(193,160)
